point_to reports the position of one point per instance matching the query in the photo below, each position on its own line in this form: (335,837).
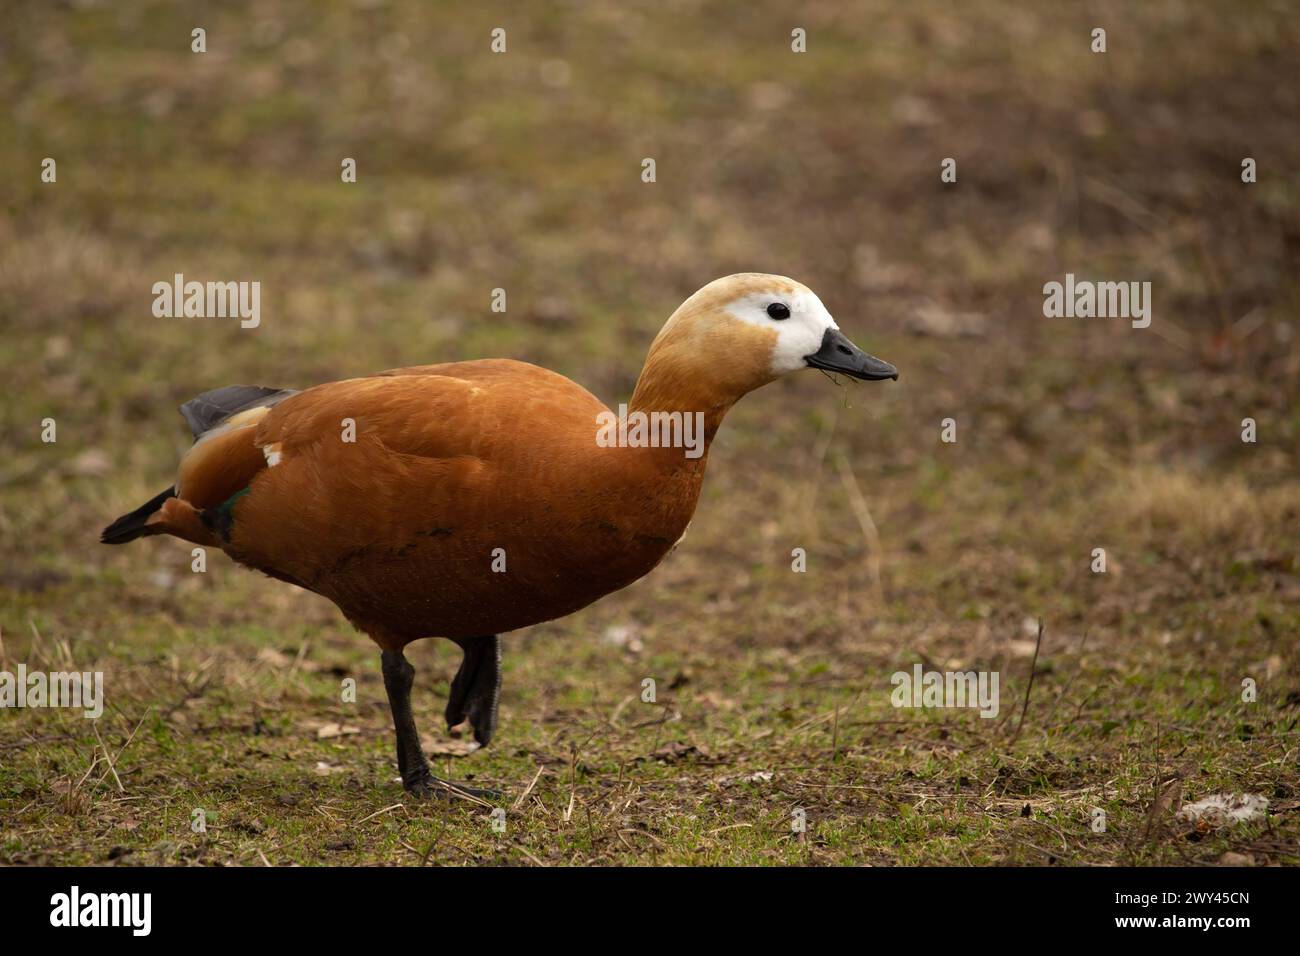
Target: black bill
(838,354)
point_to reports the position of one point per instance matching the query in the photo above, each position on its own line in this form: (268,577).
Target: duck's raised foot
(476,689)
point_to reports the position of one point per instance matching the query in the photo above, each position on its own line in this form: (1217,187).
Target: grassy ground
(522,171)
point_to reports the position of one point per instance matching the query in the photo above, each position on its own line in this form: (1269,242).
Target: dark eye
(778,310)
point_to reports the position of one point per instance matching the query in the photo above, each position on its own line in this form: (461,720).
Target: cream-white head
(741,332)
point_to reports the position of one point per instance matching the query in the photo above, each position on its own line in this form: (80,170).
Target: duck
(469,499)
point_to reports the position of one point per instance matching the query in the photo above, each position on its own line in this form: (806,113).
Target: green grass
(479,171)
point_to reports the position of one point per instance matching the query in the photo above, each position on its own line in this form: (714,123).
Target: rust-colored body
(453,470)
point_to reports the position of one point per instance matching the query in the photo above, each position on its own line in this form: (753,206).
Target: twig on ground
(1033,668)
(519,801)
(869,532)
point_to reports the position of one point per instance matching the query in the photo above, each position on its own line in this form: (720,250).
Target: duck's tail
(135,525)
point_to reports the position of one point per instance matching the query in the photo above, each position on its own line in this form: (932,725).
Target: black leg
(399,676)
(476,689)
(417,778)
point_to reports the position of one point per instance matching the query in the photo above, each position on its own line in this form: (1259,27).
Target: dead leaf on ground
(1222,809)
(328,731)
(939,322)
(91,463)
(448,748)
(1236,859)
(625,636)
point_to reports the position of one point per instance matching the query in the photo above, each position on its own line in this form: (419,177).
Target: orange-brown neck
(664,387)
(703,363)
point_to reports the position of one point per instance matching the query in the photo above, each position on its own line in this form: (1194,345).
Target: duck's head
(742,331)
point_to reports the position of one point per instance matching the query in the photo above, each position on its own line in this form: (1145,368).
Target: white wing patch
(681,539)
(272,453)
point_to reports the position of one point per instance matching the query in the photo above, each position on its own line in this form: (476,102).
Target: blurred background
(522,171)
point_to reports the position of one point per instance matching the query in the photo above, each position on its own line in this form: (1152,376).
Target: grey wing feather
(212,408)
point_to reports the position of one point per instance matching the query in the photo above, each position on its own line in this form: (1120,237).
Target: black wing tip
(134,524)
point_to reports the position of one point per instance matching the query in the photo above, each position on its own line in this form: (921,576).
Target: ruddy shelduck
(468,499)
